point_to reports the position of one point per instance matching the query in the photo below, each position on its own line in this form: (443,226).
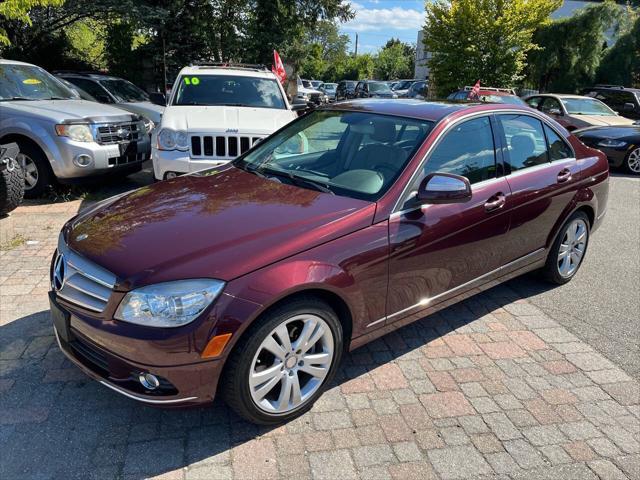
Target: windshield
(353,154)
(124,91)
(507,99)
(403,85)
(28,82)
(330,87)
(221,90)
(586,106)
(379,87)
(306,84)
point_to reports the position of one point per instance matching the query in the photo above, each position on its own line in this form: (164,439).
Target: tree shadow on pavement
(57,423)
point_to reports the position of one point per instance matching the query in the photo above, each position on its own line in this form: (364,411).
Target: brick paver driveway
(489,388)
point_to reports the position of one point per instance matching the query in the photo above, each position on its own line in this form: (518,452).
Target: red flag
(278,67)
(475,91)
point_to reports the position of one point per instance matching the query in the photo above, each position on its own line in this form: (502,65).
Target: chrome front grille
(221,146)
(80,281)
(119,133)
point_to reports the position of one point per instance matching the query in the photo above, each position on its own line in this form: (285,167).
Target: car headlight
(612,143)
(182,140)
(166,139)
(76,132)
(170,304)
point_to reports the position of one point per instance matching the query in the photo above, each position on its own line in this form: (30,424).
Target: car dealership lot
(510,383)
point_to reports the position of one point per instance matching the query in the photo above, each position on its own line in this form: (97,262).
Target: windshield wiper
(296,180)
(56,98)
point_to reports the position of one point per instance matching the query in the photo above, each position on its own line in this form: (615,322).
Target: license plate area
(61,320)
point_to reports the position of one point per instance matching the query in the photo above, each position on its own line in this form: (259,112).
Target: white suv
(215,113)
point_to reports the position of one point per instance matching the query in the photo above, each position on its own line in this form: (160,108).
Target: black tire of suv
(234,386)
(45,175)
(11,189)
(550,271)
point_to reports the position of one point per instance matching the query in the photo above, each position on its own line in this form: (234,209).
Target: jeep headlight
(78,132)
(171,140)
(170,304)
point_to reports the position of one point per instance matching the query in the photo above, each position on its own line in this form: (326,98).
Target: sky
(377,21)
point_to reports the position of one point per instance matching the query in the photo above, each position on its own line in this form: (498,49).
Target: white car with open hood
(216,113)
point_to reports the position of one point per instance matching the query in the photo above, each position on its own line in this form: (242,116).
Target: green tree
(482,39)
(570,49)
(395,60)
(17,11)
(621,63)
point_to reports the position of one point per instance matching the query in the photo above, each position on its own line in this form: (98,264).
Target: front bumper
(104,158)
(176,161)
(182,385)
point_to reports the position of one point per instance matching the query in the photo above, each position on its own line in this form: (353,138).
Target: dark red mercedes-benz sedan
(253,278)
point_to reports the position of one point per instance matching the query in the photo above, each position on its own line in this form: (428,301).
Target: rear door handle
(564,175)
(496,202)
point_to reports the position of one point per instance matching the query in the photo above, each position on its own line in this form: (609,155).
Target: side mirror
(444,188)
(158,99)
(555,111)
(628,107)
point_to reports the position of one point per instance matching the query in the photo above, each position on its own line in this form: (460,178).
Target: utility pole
(356,54)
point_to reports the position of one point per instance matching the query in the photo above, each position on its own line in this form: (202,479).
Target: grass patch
(15,242)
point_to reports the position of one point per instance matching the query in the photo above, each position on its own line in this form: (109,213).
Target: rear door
(542,173)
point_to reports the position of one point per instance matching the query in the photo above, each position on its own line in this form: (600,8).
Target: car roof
(230,71)
(431,110)
(612,88)
(91,76)
(6,61)
(561,95)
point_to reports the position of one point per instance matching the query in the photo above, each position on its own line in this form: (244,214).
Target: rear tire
(569,249)
(37,171)
(267,388)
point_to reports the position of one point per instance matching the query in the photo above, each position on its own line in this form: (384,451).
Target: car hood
(604,119)
(224,119)
(221,223)
(61,110)
(147,109)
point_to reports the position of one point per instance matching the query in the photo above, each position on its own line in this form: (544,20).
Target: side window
(525,140)
(533,102)
(558,148)
(461,96)
(549,104)
(468,150)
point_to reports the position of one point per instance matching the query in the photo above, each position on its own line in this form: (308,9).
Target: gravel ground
(601,305)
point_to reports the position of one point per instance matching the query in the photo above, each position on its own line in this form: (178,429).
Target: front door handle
(496,202)
(564,175)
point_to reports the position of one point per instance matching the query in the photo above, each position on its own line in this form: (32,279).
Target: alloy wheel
(291,364)
(30,170)
(633,161)
(572,248)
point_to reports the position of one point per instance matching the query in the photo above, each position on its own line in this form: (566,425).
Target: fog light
(149,381)
(83,160)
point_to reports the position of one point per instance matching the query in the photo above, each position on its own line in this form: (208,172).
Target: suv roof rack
(468,88)
(240,66)
(604,85)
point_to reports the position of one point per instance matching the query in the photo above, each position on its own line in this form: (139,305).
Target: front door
(437,251)
(542,171)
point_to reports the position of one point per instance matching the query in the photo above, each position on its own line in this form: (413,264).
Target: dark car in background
(254,278)
(345,89)
(401,87)
(418,90)
(625,101)
(373,89)
(115,91)
(621,144)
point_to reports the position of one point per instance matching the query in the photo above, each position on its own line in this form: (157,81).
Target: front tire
(36,168)
(568,251)
(282,365)
(632,162)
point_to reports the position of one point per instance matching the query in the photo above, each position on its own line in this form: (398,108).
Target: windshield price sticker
(192,81)
(31,81)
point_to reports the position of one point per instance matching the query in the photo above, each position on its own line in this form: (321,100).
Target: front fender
(39,132)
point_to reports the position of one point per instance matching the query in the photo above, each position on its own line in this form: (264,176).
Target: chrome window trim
(533,113)
(541,166)
(429,300)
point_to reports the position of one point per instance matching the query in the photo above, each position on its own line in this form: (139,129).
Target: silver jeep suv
(62,137)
